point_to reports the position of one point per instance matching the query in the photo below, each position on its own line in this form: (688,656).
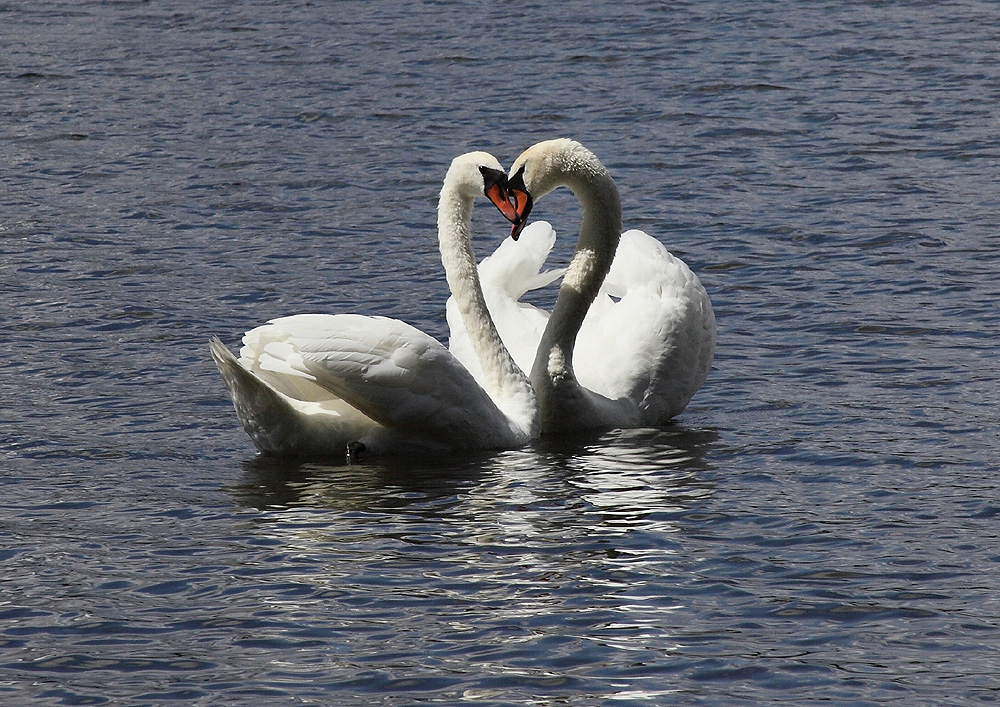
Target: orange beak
(495,189)
(523,202)
(522,207)
(497,194)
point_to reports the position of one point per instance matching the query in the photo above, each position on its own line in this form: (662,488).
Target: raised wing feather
(515,267)
(282,421)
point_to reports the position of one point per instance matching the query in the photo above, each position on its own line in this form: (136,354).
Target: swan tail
(279,424)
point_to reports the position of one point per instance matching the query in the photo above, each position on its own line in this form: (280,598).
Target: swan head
(481,174)
(543,167)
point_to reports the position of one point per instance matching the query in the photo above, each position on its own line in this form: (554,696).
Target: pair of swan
(630,338)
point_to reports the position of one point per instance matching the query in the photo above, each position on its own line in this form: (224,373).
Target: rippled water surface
(820,525)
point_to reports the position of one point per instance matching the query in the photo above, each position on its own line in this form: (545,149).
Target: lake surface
(820,525)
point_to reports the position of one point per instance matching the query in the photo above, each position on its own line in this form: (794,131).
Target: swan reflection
(622,476)
(557,547)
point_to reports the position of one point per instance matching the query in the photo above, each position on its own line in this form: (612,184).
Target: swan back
(655,320)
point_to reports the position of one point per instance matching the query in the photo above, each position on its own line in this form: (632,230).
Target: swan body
(632,333)
(312,384)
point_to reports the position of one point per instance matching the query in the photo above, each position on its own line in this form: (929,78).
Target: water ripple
(819,522)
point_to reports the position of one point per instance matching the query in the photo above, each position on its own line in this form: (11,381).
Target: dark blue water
(820,525)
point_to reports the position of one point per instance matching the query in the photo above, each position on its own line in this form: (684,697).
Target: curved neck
(505,382)
(600,232)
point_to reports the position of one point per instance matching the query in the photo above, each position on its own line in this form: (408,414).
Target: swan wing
(391,372)
(650,335)
(515,267)
(506,275)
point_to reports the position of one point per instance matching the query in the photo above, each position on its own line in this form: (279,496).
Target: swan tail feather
(277,423)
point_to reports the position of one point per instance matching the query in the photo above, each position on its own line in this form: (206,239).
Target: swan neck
(505,382)
(600,231)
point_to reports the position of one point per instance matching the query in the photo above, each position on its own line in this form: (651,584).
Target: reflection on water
(623,469)
(524,564)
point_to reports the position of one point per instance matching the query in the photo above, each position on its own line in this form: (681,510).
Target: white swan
(601,363)
(315,384)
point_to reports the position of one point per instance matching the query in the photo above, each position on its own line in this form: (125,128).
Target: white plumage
(513,269)
(648,336)
(630,340)
(632,333)
(312,384)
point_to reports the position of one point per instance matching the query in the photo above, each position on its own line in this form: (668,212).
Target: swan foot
(353,450)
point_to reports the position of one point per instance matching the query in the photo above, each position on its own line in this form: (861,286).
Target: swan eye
(517,181)
(492,177)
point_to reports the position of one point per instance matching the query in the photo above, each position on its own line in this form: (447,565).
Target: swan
(320,384)
(631,336)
